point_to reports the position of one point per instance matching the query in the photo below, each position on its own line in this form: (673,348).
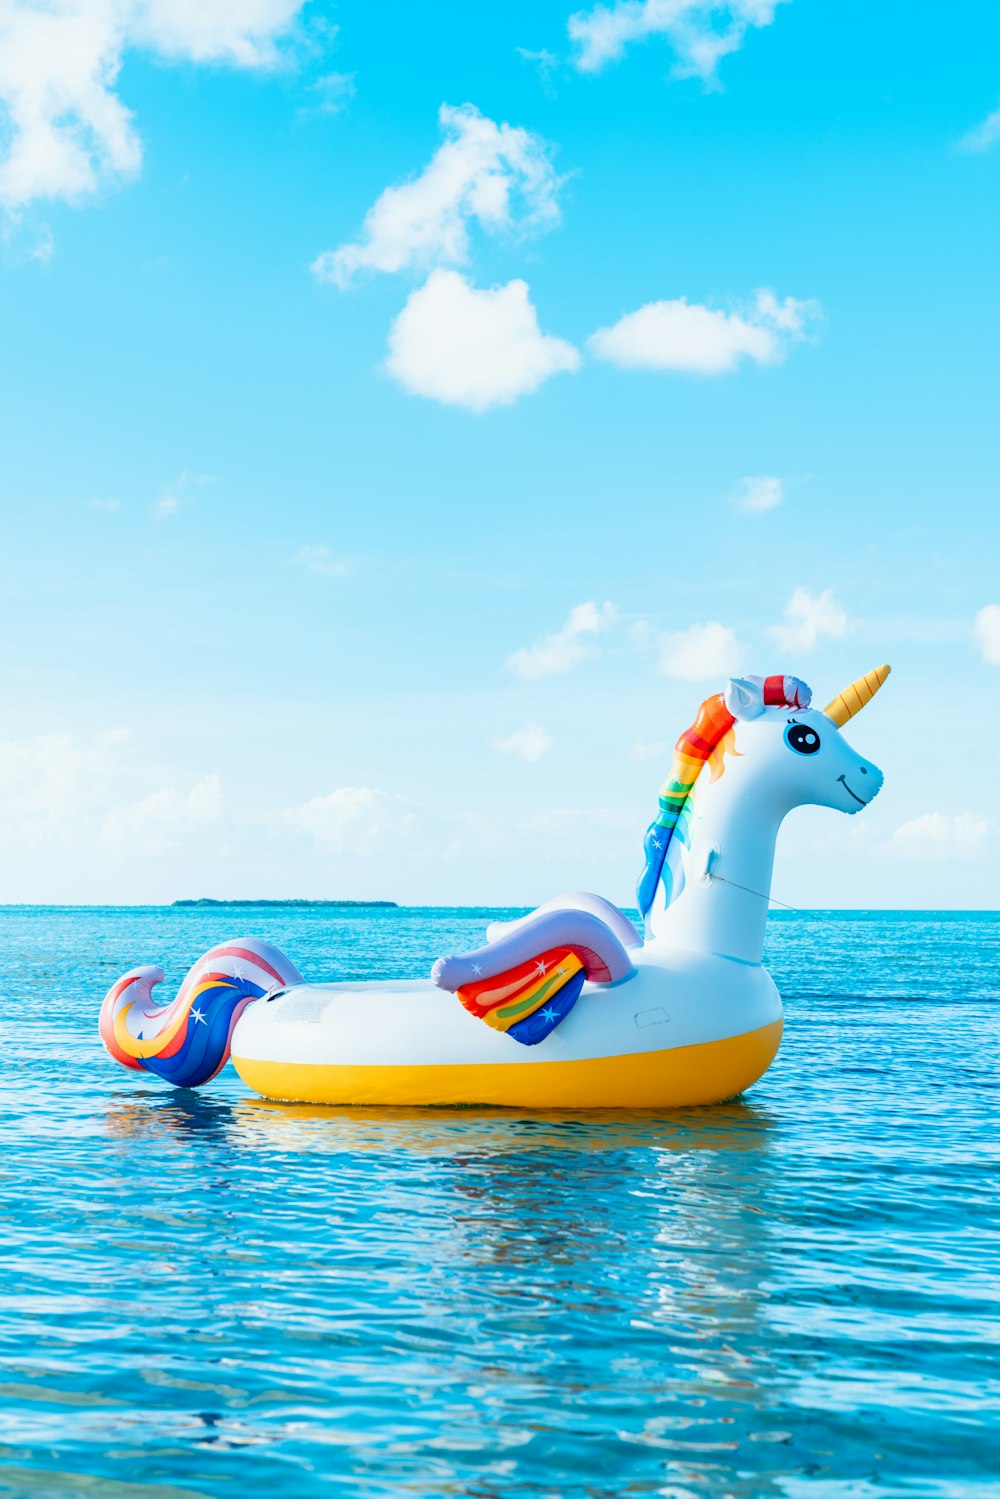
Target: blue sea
(794,1294)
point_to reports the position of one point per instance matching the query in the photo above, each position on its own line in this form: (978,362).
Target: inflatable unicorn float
(687,1014)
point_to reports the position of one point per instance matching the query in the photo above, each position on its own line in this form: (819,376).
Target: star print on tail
(188,1042)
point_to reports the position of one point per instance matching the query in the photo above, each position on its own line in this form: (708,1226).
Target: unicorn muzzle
(862,785)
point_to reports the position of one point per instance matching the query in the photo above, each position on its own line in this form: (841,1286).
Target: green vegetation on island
(207,900)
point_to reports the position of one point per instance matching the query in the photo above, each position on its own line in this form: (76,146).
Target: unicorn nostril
(864,772)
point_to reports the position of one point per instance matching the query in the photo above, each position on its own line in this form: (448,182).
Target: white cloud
(50,784)
(60,794)
(759,494)
(66,130)
(529,743)
(473,348)
(44,247)
(680,335)
(809,618)
(164,819)
(572,644)
(107,505)
(177,493)
(987,632)
(499,175)
(700,652)
(547,64)
(939,836)
(333,93)
(319,559)
(983,135)
(351,820)
(700,31)
(244,33)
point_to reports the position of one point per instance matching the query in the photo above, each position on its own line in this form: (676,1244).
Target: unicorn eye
(802,738)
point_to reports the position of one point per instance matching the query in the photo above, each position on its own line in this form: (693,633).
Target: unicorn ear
(743,698)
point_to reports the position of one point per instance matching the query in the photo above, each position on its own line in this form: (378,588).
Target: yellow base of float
(682,1076)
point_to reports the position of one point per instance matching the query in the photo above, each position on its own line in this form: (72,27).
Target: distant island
(207,900)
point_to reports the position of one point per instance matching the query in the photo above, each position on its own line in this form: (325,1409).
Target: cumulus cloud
(937,835)
(477,349)
(700,652)
(358,820)
(164,819)
(529,743)
(759,494)
(50,784)
(498,175)
(566,648)
(60,794)
(65,131)
(699,31)
(808,619)
(320,559)
(986,631)
(983,135)
(685,336)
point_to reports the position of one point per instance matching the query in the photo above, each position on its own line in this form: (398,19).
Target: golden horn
(853,698)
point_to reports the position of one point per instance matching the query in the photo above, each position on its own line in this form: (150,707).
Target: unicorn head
(755,751)
(795,755)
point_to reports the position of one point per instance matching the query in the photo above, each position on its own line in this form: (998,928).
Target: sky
(410,414)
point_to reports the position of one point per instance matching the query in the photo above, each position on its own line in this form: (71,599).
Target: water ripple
(790,1295)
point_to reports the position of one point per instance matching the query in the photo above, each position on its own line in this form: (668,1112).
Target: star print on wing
(657,842)
(550,1014)
(540,967)
(237,971)
(477,969)
(199,1017)
(561,971)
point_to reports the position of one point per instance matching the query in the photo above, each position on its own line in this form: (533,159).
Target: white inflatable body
(685,1027)
(687,1015)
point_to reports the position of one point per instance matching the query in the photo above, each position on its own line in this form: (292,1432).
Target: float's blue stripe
(206,1042)
(536,1027)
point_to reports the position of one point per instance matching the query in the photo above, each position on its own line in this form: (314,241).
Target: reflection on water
(493,1131)
(791,1294)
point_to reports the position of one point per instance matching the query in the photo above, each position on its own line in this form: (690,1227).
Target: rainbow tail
(188,1042)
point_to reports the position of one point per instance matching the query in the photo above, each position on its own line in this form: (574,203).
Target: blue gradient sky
(257,598)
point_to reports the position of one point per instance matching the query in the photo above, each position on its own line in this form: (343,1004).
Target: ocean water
(795,1294)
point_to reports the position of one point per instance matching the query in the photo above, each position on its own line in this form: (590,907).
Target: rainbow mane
(704,743)
(700,745)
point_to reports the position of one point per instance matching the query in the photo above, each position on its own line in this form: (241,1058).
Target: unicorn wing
(578,900)
(529,979)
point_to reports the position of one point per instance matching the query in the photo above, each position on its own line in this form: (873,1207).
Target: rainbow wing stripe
(528,1001)
(188,1042)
